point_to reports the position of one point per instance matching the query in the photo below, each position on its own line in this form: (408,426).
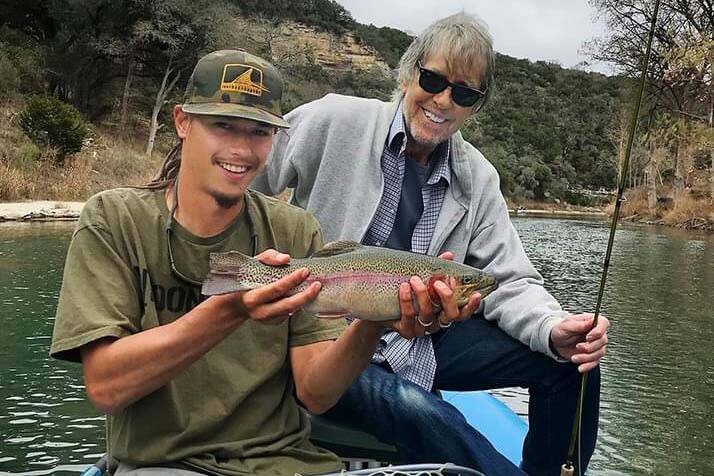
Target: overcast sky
(533,29)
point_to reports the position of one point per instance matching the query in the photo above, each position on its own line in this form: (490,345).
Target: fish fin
(222,283)
(332,315)
(337,248)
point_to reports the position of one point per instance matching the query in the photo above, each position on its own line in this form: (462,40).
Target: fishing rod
(567,468)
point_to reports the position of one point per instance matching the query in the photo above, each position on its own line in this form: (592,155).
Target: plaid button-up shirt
(412,359)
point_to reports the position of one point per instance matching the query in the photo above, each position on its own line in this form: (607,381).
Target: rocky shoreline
(544,213)
(56,211)
(694,224)
(45,210)
(48,210)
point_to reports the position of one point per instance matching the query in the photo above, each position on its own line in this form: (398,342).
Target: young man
(400,175)
(194,385)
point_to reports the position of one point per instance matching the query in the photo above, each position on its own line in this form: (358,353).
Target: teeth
(236,169)
(433,117)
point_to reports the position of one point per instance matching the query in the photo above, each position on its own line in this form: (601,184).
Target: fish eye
(467,279)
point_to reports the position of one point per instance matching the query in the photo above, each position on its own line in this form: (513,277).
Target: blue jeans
(474,355)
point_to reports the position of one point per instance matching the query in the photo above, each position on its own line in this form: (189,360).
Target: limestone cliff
(289,40)
(334,52)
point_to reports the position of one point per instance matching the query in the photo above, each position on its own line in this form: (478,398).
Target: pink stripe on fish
(362,277)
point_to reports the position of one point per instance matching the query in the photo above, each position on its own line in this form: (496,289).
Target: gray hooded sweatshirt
(331,157)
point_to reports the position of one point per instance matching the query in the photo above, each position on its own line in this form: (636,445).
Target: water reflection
(46,424)
(660,390)
(656,404)
(657,378)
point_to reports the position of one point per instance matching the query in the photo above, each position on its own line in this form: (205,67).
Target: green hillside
(547,129)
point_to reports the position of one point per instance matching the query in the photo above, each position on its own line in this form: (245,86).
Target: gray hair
(462,39)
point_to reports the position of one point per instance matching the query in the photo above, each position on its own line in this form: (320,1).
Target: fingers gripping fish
(357,280)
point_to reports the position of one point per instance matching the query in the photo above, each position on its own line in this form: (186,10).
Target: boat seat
(350,444)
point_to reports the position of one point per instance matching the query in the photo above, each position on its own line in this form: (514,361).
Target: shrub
(49,122)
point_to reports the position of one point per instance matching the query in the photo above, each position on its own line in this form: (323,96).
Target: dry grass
(27,173)
(685,212)
(634,205)
(549,206)
(688,212)
(13,184)
(86,174)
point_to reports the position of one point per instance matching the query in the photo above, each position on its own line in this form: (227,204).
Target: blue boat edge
(490,416)
(493,419)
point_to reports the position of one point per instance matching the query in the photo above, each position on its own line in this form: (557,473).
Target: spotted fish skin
(357,280)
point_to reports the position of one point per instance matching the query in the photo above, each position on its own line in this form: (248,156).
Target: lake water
(658,377)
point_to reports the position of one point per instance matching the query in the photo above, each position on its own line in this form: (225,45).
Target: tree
(172,34)
(681,24)
(680,85)
(167,84)
(167,38)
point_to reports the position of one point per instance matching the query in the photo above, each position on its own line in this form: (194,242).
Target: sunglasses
(434,83)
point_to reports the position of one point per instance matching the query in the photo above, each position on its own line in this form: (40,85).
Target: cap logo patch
(243,78)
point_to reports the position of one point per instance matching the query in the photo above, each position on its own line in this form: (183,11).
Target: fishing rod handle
(567,470)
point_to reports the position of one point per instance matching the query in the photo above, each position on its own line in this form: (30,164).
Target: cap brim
(235,110)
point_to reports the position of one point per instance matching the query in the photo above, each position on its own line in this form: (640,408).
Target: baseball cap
(237,84)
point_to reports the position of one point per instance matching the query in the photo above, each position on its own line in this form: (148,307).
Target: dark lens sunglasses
(434,83)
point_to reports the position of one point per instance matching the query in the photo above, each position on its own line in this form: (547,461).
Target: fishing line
(567,468)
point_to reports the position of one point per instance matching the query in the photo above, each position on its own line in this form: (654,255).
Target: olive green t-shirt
(231,412)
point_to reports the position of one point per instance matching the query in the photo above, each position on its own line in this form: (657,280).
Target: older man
(400,175)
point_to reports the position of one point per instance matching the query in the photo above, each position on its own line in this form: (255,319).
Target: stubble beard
(423,142)
(421,138)
(226,201)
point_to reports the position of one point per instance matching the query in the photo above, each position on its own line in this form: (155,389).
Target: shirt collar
(396,140)
(441,169)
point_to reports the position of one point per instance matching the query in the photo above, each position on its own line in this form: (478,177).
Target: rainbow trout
(357,280)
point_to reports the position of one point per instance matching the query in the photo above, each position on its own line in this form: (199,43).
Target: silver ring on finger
(424,324)
(291,314)
(445,326)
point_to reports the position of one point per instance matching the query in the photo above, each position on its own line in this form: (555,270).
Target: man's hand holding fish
(271,304)
(427,318)
(425,306)
(411,293)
